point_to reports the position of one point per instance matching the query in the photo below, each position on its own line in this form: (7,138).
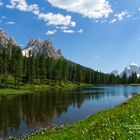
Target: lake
(27,113)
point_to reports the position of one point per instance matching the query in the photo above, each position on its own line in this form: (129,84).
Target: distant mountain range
(132,68)
(34,46)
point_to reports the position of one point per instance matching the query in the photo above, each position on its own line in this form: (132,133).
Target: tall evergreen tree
(42,67)
(124,79)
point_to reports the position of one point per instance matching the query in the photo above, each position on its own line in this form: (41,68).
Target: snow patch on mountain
(36,46)
(132,68)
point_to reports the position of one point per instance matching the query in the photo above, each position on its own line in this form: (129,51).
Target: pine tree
(1,69)
(42,67)
(17,66)
(50,62)
(57,70)
(124,79)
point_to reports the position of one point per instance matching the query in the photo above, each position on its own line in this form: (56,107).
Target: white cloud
(56,19)
(62,27)
(23,6)
(113,20)
(80,31)
(97,21)
(50,18)
(73,24)
(68,31)
(95,9)
(129,16)
(10,22)
(121,15)
(1,3)
(51,32)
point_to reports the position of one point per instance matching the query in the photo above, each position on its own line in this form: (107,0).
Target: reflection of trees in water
(35,108)
(9,114)
(38,109)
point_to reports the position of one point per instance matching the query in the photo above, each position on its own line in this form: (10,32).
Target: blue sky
(101,34)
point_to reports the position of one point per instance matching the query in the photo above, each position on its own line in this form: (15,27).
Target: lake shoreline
(30,88)
(117,123)
(26,89)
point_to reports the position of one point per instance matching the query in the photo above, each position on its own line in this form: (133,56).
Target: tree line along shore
(17,70)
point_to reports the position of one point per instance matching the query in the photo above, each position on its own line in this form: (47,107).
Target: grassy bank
(120,123)
(8,91)
(28,88)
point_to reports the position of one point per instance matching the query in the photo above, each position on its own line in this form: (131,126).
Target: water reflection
(26,113)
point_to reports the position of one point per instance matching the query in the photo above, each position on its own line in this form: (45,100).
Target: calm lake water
(27,113)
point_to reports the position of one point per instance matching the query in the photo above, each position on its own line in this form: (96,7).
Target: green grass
(134,84)
(40,87)
(13,91)
(113,124)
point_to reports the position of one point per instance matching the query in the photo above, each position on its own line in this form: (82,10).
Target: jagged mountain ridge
(5,39)
(34,46)
(132,68)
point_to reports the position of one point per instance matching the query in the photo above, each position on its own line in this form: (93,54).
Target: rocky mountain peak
(34,42)
(132,66)
(36,46)
(128,70)
(5,39)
